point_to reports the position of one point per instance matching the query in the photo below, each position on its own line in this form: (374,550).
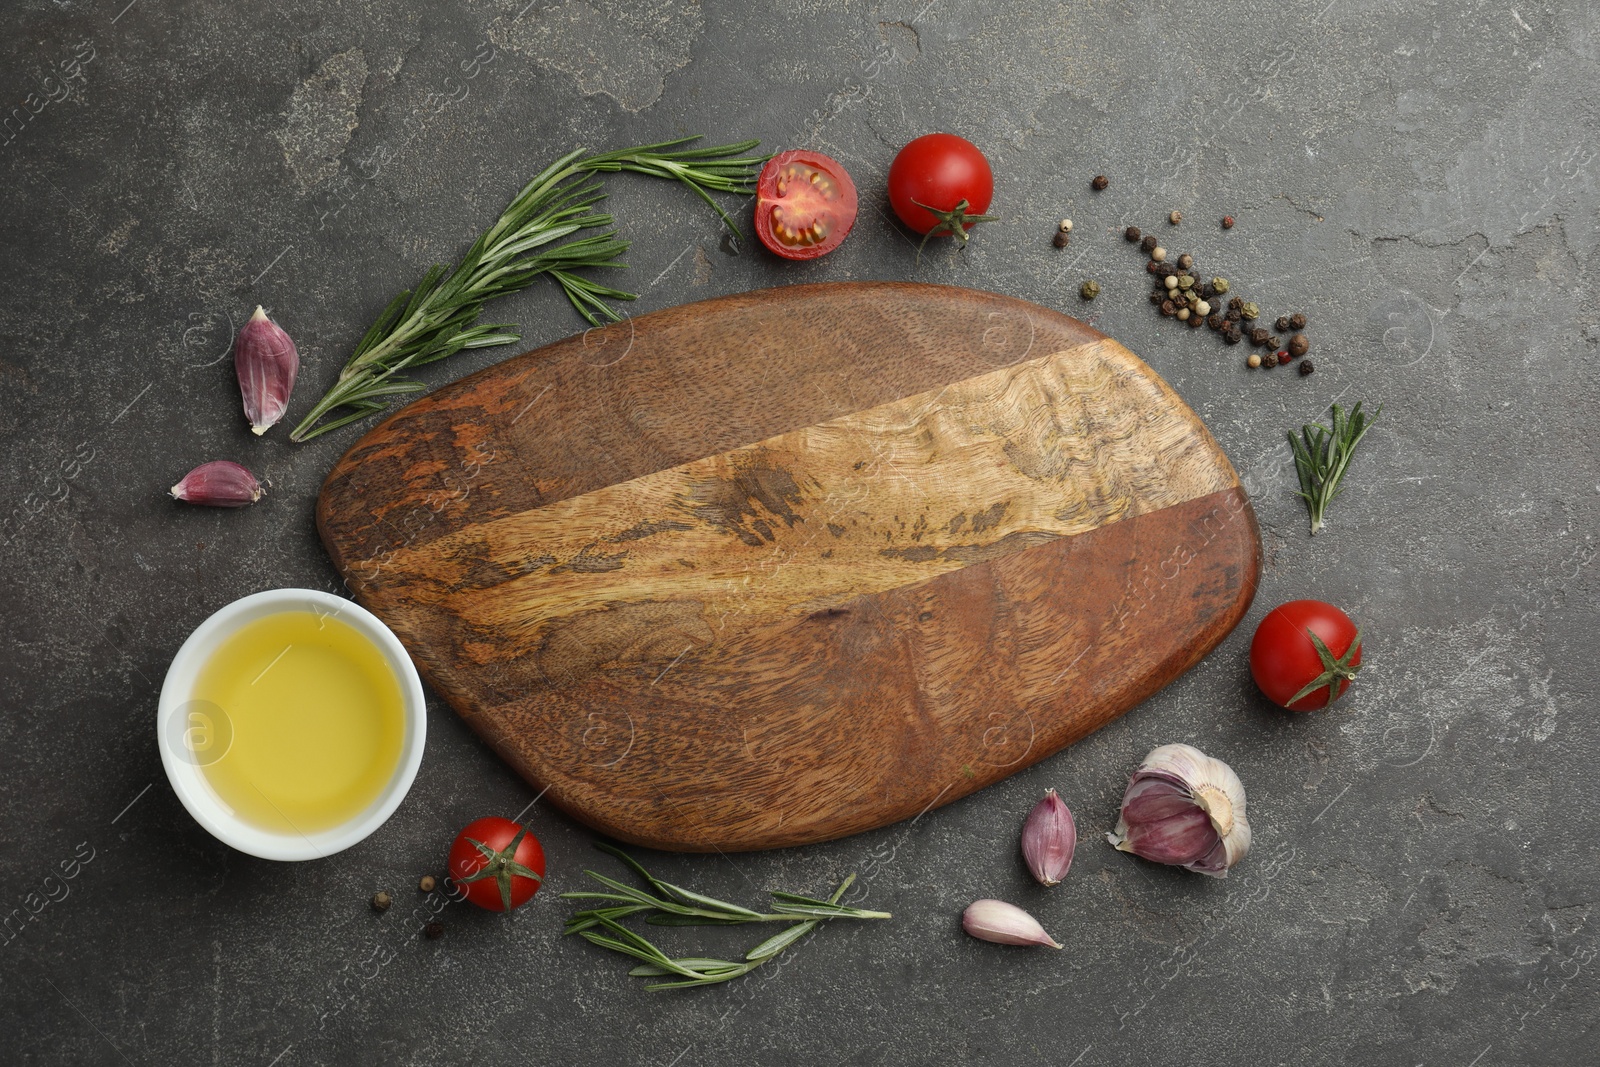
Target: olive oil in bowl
(313,719)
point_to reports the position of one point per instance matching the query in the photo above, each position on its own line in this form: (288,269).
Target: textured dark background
(1419,178)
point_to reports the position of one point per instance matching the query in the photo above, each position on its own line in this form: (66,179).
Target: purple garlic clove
(267,362)
(218,484)
(1049,837)
(1186,809)
(1004,924)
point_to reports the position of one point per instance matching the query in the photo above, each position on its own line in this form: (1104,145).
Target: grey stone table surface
(1420,179)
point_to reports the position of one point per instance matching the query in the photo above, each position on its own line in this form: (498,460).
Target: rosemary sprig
(672,905)
(541,232)
(1322,455)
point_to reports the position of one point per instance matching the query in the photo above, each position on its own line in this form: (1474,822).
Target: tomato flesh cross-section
(805,204)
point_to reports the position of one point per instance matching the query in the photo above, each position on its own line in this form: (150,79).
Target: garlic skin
(1184,808)
(218,484)
(267,362)
(1049,837)
(1004,924)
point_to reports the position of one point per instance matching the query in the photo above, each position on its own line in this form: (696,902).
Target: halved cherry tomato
(805,204)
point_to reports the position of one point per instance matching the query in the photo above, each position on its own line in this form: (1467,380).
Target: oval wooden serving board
(779,567)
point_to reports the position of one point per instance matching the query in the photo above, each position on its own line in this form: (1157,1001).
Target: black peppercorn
(1258,336)
(1185,261)
(1168,308)
(1153,267)
(1230,334)
(1215,320)
(1236,304)
(433,931)
(1208,290)
(381,901)
(1100,182)
(1149,244)
(1060,239)
(1195,322)
(1227,222)
(1168,271)
(1132,233)
(1297,321)
(1306,367)
(1231,316)
(1156,297)
(1298,345)
(1282,325)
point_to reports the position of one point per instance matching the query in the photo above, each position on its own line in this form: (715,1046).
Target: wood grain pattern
(941,521)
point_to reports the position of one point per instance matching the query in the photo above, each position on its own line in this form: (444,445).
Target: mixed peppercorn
(1179,293)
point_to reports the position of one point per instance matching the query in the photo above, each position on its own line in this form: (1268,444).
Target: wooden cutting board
(779,567)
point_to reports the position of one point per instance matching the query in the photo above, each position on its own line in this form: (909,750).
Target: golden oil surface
(316,719)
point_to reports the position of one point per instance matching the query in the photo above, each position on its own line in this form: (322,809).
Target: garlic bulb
(1004,924)
(1184,808)
(1048,839)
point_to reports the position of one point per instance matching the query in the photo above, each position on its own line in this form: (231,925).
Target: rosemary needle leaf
(732,910)
(624,891)
(548,228)
(587,919)
(780,941)
(668,919)
(709,979)
(828,911)
(693,963)
(796,898)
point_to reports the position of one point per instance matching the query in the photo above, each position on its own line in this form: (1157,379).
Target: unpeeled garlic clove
(267,363)
(1004,924)
(1184,808)
(1049,837)
(218,484)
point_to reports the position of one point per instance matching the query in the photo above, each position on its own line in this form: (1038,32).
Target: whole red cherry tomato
(805,204)
(1304,654)
(941,185)
(499,864)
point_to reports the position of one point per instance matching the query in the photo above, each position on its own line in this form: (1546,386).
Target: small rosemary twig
(672,905)
(1321,457)
(537,234)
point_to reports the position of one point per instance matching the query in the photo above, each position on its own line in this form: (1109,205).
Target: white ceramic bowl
(183,768)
